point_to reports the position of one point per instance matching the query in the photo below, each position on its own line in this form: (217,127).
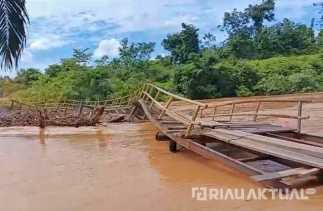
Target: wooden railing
(257,112)
(77,107)
(151,94)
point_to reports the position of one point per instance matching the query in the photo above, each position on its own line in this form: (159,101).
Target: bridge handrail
(190,122)
(203,105)
(299,116)
(257,101)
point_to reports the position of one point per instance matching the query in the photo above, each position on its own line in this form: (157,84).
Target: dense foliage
(257,58)
(13,22)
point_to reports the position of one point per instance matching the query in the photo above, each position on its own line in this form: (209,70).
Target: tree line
(259,57)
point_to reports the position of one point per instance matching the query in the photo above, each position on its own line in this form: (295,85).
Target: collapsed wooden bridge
(272,154)
(236,133)
(68,113)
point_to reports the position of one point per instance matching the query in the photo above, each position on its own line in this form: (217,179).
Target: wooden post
(152,102)
(232,110)
(143,89)
(80,109)
(190,127)
(146,89)
(202,115)
(257,110)
(117,101)
(65,111)
(129,100)
(91,113)
(65,106)
(214,113)
(46,114)
(299,117)
(57,107)
(12,104)
(166,107)
(42,123)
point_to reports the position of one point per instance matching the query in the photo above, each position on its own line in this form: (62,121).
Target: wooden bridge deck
(259,149)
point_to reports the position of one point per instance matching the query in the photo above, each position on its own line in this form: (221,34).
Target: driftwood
(118,118)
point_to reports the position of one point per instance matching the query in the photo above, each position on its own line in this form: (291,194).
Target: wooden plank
(248,127)
(171,122)
(261,130)
(301,140)
(269,140)
(267,148)
(286,173)
(262,114)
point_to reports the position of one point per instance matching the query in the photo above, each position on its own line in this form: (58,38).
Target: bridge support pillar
(172,146)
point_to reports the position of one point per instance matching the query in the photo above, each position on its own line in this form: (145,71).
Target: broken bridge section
(241,134)
(73,113)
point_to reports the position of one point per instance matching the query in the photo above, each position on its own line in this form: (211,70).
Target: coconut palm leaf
(13,21)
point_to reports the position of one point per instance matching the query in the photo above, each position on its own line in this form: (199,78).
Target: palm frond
(13,22)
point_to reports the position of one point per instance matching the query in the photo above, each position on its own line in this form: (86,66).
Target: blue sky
(58,26)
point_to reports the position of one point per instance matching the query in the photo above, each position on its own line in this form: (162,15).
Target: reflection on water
(120,167)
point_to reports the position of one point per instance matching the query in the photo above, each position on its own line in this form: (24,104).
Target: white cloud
(83,23)
(140,15)
(108,47)
(46,42)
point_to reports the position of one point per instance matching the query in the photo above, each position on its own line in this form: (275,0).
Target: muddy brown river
(119,167)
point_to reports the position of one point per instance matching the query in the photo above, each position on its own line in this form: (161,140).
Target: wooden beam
(255,101)
(179,97)
(285,173)
(299,153)
(263,114)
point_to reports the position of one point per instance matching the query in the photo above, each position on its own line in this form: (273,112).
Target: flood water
(119,167)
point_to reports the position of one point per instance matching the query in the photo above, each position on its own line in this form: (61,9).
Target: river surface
(119,167)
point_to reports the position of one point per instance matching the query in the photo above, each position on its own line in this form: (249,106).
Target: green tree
(28,76)
(235,22)
(285,38)
(81,56)
(244,28)
(208,41)
(104,60)
(13,21)
(66,65)
(258,13)
(183,44)
(320,19)
(134,54)
(320,39)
